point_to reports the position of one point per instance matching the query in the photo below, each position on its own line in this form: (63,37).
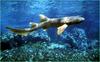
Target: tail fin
(8,27)
(23,32)
(43,18)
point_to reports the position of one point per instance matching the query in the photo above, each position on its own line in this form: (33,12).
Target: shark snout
(82,18)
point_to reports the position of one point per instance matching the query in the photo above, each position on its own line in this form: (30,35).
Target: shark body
(45,23)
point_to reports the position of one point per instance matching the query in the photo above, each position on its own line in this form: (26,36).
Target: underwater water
(77,43)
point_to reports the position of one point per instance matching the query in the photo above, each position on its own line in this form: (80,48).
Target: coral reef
(75,46)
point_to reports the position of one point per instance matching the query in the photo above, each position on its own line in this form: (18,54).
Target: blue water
(19,13)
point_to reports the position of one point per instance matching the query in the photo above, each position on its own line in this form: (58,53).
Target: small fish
(45,23)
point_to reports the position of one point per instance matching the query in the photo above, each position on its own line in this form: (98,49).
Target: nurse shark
(45,23)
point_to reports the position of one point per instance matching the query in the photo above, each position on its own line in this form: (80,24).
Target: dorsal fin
(43,18)
(32,24)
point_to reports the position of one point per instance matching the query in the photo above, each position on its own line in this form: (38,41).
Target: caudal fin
(23,32)
(8,27)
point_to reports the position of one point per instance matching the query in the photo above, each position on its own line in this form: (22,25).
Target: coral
(76,38)
(75,46)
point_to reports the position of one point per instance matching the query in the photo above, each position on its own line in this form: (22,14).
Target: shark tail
(23,32)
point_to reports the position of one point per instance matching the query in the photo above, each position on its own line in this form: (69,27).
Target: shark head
(66,21)
(75,19)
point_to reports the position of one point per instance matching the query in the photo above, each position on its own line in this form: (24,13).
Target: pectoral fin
(44,29)
(61,29)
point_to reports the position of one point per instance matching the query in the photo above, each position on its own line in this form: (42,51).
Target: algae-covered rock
(74,46)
